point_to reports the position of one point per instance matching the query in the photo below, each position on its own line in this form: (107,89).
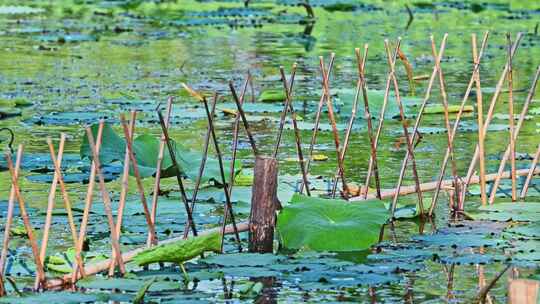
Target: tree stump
(264,203)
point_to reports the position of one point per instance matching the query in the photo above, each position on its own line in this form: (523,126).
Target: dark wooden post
(264,203)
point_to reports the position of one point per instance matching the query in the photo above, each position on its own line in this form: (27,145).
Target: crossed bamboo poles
(94,141)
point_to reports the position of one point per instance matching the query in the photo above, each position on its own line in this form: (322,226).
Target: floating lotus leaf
(330,225)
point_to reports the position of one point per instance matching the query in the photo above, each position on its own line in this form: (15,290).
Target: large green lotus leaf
(330,225)
(146,148)
(180,251)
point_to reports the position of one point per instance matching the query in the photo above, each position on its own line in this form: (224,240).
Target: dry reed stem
(510,75)
(530,174)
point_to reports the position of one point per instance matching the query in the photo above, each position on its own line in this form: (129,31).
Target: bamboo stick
(128,256)
(67,202)
(489,115)
(335,132)
(444,99)
(288,104)
(530,174)
(7,226)
(371,165)
(50,204)
(138,178)
(511,118)
(456,123)
(409,139)
(517,129)
(106,200)
(283,115)
(325,78)
(244,119)
(431,186)
(40,272)
(201,170)
(172,154)
(87,207)
(480,114)
(236,129)
(159,164)
(228,205)
(123,190)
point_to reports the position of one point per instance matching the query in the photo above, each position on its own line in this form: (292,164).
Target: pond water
(66,64)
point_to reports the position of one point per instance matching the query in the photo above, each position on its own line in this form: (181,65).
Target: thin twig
(228,205)
(40,272)
(236,129)
(106,200)
(87,207)
(159,164)
(285,110)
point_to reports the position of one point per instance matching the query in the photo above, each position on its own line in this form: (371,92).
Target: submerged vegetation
(342,234)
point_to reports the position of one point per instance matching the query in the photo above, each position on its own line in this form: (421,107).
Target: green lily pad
(180,251)
(272,95)
(330,225)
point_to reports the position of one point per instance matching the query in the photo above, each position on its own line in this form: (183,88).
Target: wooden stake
(228,205)
(480,114)
(530,174)
(123,191)
(409,139)
(87,208)
(159,164)
(7,226)
(517,129)
(325,78)
(106,200)
(456,124)
(40,273)
(263,205)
